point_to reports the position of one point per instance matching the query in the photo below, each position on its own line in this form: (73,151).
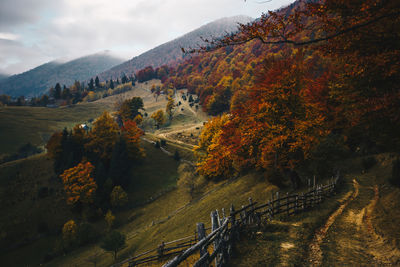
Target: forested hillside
(298,86)
(39,80)
(171,52)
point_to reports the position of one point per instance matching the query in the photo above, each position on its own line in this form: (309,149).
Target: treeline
(93,90)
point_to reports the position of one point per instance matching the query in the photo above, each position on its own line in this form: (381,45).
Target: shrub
(113,242)
(118,197)
(110,219)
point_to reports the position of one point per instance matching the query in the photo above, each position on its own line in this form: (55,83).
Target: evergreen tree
(57,91)
(111,84)
(97,82)
(124,79)
(91,84)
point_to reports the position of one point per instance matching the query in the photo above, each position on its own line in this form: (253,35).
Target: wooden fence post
(251,215)
(272,205)
(321,195)
(243,215)
(234,232)
(214,226)
(287,204)
(277,203)
(314,182)
(270,212)
(296,204)
(201,233)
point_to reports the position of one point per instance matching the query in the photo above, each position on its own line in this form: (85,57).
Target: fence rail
(225,229)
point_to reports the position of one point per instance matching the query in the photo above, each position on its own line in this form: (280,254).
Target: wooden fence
(224,230)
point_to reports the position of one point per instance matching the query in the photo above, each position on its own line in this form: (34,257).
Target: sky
(33,32)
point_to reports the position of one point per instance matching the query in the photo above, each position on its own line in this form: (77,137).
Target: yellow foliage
(110,218)
(69,231)
(103,136)
(158,117)
(118,197)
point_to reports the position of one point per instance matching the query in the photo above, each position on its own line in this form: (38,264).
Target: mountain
(171,51)
(38,80)
(3,76)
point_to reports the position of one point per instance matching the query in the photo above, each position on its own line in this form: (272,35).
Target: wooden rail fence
(224,230)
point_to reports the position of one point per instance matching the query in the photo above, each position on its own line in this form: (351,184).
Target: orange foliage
(132,135)
(79,184)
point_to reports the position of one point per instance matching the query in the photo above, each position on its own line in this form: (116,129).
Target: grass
(154,174)
(23,210)
(20,125)
(173,215)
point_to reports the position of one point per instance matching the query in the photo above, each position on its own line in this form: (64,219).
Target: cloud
(18,12)
(15,57)
(50,29)
(8,36)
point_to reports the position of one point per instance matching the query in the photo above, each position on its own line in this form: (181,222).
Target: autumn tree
(110,219)
(70,232)
(158,117)
(53,146)
(79,184)
(213,160)
(131,133)
(118,197)
(130,108)
(365,88)
(276,128)
(102,138)
(170,105)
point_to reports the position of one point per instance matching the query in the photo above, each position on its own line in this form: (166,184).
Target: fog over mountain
(38,80)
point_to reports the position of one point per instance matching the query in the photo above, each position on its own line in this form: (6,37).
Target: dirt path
(349,238)
(315,252)
(383,252)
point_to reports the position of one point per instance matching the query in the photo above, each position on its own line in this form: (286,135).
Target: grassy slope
(173,216)
(20,125)
(23,210)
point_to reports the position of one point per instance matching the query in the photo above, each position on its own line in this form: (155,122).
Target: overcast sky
(33,32)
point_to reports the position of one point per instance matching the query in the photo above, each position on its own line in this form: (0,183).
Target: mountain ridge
(38,80)
(171,51)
